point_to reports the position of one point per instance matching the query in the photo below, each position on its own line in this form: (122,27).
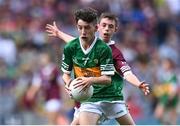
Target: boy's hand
(145,88)
(68,91)
(84,82)
(52,30)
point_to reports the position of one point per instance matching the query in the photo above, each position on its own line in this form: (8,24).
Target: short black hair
(110,16)
(86,14)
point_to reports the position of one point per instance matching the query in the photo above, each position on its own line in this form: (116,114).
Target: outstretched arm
(124,70)
(53,31)
(132,79)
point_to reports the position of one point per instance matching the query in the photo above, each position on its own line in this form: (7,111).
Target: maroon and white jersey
(48,79)
(120,63)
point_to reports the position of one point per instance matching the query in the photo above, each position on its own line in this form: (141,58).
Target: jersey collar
(89,49)
(111,42)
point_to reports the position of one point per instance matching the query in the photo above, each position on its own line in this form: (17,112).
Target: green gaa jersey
(93,62)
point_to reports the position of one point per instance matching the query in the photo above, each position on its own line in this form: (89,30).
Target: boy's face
(86,30)
(106,28)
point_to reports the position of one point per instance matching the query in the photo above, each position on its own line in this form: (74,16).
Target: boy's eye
(79,27)
(85,27)
(111,26)
(104,25)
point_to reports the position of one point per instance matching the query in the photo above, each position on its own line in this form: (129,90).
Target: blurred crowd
(148,37)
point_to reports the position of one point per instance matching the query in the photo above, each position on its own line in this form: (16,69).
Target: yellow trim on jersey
(87,72)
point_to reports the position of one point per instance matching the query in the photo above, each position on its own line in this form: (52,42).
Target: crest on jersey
(96,61)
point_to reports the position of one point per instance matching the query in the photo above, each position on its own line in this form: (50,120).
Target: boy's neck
(87,44)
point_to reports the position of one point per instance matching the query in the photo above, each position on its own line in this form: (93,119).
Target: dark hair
(109,16)
(87,14)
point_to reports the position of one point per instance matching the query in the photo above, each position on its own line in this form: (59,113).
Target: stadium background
(149,31)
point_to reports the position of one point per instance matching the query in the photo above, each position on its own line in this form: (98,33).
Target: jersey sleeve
(120,63)
(106,62)
(67,63)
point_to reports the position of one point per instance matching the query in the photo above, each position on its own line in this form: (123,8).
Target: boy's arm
(34,87)
(124,70)
(132,79)
(87,81)
(67,79)
(32,91)
(53,31)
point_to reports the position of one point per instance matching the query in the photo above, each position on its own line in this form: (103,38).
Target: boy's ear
(96,27)
(116,28)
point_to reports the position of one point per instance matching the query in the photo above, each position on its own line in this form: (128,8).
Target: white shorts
(76,112)
(107,110)
(53,105)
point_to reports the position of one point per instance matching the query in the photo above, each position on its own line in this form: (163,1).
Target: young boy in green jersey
(106,27)
(91,60)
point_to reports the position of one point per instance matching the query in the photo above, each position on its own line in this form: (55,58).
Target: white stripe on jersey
(65,71)
(66,66)
(110,73)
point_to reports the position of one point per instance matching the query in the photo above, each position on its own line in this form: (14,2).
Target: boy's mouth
(106,35)
(84,38)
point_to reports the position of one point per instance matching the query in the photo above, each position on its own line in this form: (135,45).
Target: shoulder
(72,44)
(115,50)
(102,44)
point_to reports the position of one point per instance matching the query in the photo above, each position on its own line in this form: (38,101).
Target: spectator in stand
(48,80)
(167,93)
